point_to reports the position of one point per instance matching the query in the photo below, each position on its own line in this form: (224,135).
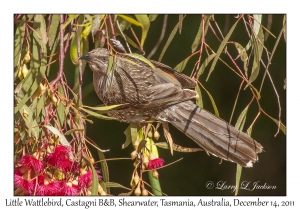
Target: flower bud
(145,192)
(24,70)
(156,135)
(136,144)
(136,178)
(137,190)
(155,174)
(134,154)
(26,58)
(150,134)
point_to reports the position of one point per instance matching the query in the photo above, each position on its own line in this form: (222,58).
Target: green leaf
(221,47)
(131,134)
(62,138)
(152,17)
(94,190)
(144,20)
(70,19)
(282,126)
(238,178)
(205,63)
(18,41)
(40,104)
(29,17)
(95,24)
(35,74)
(197,39)
(131,20)
(104,170)
(213,103)
(141,146)
(73,130)
(27,116)
(141,58)
(54,27)
(199,102)
(167,135)
(115,185)
(180,67)
(243,55)
(155,184)
(258,50)
(102,108)
(123,25)
(147,130)
(241,119)
(180,21)
(257,23)
(95,114)
(126,194)
(40,25)
(60,111)
(170,38)
(111,61)
(177,147)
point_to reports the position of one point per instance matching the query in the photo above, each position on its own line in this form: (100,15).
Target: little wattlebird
(151,90)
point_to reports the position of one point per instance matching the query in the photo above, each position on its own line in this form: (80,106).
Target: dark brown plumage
(160,93)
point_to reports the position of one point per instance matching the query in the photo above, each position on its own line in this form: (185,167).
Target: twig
(201,49)
(106,33)
(79,64)
(162,35)
(112,27)
(17,18)
(68,39)
(124,37)
(61,53)
(267,72)
(132,31)
(49,23)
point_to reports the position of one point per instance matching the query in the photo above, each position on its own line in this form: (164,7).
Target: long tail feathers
(213,134)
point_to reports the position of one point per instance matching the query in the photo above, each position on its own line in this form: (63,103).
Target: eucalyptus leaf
(177,147)
(145,22)
(39,22)
(53,30)
(170,38)
(94,190)
(104,169)
(221,47)
(62,138)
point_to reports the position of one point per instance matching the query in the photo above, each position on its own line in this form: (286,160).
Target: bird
(152,91)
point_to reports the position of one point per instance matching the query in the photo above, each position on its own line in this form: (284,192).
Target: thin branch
(162,35)
(79,64)
(267,72)
(132,31)
(201,49)
(68,40)
(124,37)
(112,27)
(61,53)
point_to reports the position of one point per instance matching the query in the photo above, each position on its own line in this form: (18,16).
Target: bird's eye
(104,59)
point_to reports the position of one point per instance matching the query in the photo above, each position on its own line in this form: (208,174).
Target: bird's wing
(185,81)
(154,87)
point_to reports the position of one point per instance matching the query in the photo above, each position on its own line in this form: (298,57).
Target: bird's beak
(86,57)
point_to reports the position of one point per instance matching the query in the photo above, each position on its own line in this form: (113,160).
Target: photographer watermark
(244,185)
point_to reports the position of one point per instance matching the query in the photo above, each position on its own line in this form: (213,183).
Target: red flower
(27,185)
(156,163)
(85,180)
(70,190)
(32,163)
(60,158)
